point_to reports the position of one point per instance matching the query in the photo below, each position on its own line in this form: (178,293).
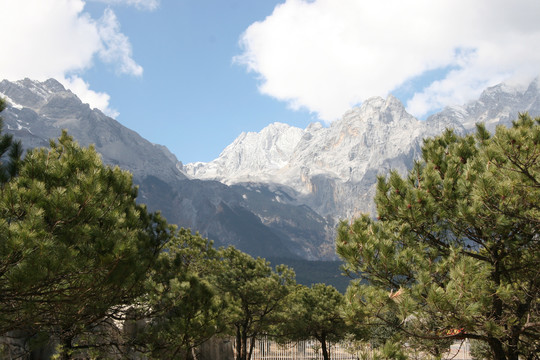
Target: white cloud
(95,99)
(41,39)
(116,46)
(139,4)
(327,55)
(56,38)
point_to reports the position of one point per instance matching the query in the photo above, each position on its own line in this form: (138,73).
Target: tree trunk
(193,354)
(66,349)
(244,344)
(496,344)
(512,349)
(498,350)
(251,346)
(238,344)
(512,354)
(325,351)
(188,348)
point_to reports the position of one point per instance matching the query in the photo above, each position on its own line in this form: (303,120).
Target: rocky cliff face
(330,169)
(333,169)
(38,111)
(276,193)
(498,105)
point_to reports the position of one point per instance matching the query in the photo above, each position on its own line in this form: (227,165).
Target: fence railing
(267,349)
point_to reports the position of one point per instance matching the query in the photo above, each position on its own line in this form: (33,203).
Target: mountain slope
(497,105)
(276,193)
(38,111)
(330,169)
(333,169)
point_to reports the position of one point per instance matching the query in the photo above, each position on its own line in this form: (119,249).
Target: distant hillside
(38,111)
(278,193)
(314,272)
(333,169)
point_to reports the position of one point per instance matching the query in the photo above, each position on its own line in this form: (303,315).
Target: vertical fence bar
(266,349)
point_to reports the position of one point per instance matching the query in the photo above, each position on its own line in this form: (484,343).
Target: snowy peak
(379,110)
(53,86)
(363,139)
(280,149)
(497,105)
(334,168)
(276,142)
(251,152)
(38,111)
(376,116)
(32,94)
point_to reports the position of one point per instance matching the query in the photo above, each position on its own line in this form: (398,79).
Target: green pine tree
(455,252)
(315,313)
(75,247)
(255,295)
(180,306)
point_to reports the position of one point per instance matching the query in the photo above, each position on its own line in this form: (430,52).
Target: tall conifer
(455,252)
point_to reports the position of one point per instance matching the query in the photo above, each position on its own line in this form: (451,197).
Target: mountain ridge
(47,107)
(279,192)
(329,168)
(38,111)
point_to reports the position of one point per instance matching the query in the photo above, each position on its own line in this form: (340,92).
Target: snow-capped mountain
(497,105)
(263,152)
(333,169)
(38,111)
(276,193)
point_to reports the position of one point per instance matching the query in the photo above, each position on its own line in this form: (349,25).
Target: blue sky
(193,74)
(191,97)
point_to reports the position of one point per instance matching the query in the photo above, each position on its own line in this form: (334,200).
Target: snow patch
(10,101)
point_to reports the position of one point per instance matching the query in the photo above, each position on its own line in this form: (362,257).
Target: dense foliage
(181,306)
(74,245)
(315,313)
(455,252)
(256,295)
(86,271)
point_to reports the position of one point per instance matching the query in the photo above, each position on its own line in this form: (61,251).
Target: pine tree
(455,252)
(255,295)
(75,247)
(315,313)
(180,306)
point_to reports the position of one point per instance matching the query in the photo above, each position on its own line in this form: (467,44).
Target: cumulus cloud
(327,55)
(56,38)
(116,46)
(95,99)
(46,38)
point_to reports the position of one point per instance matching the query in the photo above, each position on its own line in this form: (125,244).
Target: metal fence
(267,349)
